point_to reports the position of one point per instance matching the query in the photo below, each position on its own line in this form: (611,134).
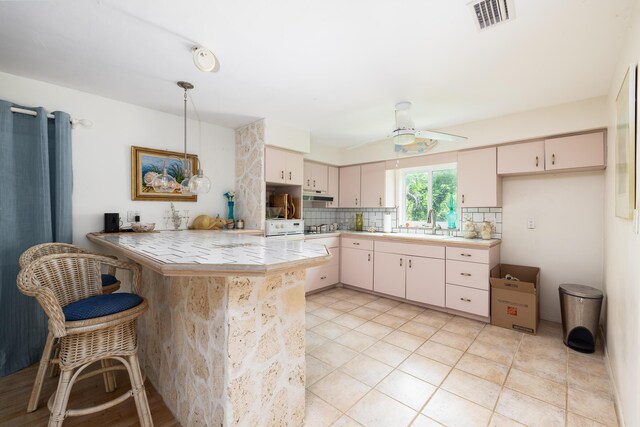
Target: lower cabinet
(356,267)
(328,274)
(400,273)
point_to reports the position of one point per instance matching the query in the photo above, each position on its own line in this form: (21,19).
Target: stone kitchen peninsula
(223,340)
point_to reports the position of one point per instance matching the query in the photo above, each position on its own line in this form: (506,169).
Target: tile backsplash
(373,217)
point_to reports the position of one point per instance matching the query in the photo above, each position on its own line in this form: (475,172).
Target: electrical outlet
(131,215)
(531,223)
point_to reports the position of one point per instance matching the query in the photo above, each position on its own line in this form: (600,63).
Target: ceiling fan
(409,140)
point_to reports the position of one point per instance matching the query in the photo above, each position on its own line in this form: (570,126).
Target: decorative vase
(359,221)
(230,204)
(452,215)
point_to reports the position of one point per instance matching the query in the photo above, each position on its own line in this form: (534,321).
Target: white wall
(102,153)
(622,262)
(286,136)
(567,242)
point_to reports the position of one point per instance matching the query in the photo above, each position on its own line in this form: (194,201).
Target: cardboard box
(515,304)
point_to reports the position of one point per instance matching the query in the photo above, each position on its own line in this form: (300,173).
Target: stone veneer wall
(226,350)
(249,184)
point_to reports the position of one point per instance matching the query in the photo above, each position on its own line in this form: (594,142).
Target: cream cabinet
(467,278)
(333,186)
(356,262)
(412,271)
(350,187)
(584,151)
(315,177)
(527,157)
(329,273)
(577,151)
(478,182)
(372,184)
(283,166)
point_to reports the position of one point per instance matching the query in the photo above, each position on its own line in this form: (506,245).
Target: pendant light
(198,184)
(164,183)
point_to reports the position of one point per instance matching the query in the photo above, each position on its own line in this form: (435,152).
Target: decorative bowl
(140,227)
(273,213)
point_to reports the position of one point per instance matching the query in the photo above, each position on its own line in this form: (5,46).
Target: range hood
(316,197)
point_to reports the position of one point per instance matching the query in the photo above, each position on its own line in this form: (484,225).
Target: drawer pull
(466,274)
(536,161)
(323,277)
(465,299)
(409,263)
(553,159)
(356,243)
(465,254)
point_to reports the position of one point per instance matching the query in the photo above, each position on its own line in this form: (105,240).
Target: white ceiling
(334,67)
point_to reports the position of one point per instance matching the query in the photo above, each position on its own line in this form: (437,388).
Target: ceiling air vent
(488,13)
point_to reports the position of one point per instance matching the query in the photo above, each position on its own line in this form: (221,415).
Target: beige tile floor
(377,362)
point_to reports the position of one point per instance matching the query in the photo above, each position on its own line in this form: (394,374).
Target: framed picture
(626,145)
(147,163)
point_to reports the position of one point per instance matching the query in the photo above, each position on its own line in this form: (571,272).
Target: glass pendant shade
(164,183)
(404,139)
(199,184)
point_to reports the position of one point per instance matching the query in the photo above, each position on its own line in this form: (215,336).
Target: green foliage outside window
(416,187)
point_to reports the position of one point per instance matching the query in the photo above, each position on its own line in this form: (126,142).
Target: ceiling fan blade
(440,136)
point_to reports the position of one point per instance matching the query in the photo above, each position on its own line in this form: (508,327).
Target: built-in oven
(286,229)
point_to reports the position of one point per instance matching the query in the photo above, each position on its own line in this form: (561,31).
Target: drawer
(422,250)
(349,242)
(469,255)
(329,242)
(321,277)
(469,274)
(474,301)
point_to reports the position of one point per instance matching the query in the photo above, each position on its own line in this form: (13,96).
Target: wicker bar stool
(109,281)
(91,326)
(110,284)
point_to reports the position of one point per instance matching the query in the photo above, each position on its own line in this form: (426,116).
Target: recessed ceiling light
(204,59)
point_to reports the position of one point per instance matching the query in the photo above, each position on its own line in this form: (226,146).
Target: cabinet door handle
(290,179)
(465,299)
(281,174)
(536,161)
(409,263)
(463,198)
(356,201)
(465,274)
(308,184)
(356,243)
(400,262)
(380,201)
(368,257)
(465,254)
(553,159)
(323,277)
(314,183)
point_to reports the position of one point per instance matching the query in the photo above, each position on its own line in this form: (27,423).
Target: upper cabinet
(527,157)
(478,182)
(283,166)
(372,184)
(350,187)
(333,186)
(585,151)
(577,151)
(363,186)
(315,177)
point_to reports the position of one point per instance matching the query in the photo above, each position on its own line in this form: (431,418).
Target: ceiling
(334,67)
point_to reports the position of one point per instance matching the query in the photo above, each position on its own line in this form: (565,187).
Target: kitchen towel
(386,224)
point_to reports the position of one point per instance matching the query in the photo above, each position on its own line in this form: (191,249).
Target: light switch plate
(531,223)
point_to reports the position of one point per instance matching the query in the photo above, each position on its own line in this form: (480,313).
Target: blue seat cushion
(100,305)
(108,279)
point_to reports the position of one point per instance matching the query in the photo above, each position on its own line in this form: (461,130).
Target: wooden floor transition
(15,391)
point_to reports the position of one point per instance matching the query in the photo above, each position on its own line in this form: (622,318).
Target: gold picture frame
(148,161)
(625,167)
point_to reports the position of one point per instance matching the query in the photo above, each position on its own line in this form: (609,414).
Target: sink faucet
(431,218)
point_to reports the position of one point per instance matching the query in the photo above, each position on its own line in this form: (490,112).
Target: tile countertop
(212,253)
(407,237)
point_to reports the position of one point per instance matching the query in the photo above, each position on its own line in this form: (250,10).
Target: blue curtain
(35,207)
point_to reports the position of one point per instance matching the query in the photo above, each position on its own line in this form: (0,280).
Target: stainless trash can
(580,308)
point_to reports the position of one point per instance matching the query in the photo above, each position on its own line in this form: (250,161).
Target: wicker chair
(50,356)
(91,326)
(109,282)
